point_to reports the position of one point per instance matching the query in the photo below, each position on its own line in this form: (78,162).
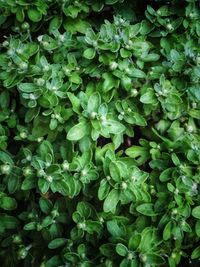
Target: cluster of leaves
(99,133)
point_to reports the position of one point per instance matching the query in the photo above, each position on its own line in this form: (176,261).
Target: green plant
(99,133)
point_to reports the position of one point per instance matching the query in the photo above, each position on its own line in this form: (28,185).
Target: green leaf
(166,175)
(76,105)
(114,127)
(154,259)
(89,53)
(136,73)
(56,243)
(104,189)
(109,82)
(55,24)
(146,209)
(45,205)
(141,154)
(196,212)
(194,113)
(75,78)
(8,203)
(111,2)
(94,102)
(134,242)
(5,158)
(121,250)
(34,15)
(111,201)
(197,228)
(196,253)
(148,98)
(78,131)
(27,87)
(115,172)
(167,231)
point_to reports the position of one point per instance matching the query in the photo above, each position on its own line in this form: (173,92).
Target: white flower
(65,165)
(93,115)
(83,172)
(23,135)
(134,92)
(49,178)
(40,37)
(190,128)
(113,65)
(81,225)
(170,27)
(124,185)
(23,65)
(5,169)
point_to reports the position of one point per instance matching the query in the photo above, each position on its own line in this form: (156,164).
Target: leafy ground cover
(99,133)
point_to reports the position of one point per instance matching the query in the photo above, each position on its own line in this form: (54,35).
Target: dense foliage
(99,133)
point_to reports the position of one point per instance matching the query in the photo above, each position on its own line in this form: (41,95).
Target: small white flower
(28,158)
(124,185)
(95,43)
(48,164)
(40,81)
(127,70)
(65,165)
(108,178)
(10,52)
(41,173)
(191,15)
(39,139)
(134,92)
(83,172)
(57,116)
(190,129)
(165,91)
(93,115)
(27,171)
(81,225)
(130,256)
(194,104)
(23,135)
(103,118)
(40,37)
(101,219)
(5,43)
(23,65)
(32,96)
(176,191)
(173,255)
(144,258)
(113,65)
(45,43)
(194,187)
(174,211)
(183,223)
(170,27)
(46,68)
(62,37)
(5,169)
(19,50)
(49,178)
(66,70)
(130,42)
